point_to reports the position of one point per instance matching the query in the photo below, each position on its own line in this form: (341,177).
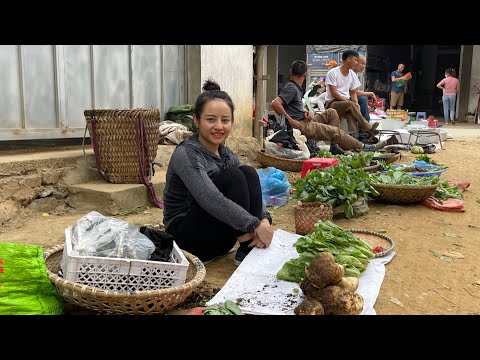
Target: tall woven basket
(306,215)
(125,142)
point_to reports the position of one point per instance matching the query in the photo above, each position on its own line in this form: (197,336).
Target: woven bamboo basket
(283,164)
(388,157)
(307,214)
(403,194)
(372,168)
(122,140)
(117,302)
(373,239)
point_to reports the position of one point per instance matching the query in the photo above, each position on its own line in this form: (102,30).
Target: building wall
(231,66)
(44,89)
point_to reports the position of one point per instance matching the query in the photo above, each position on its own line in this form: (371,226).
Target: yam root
(310,289)
(348,283)
(338,301)
(309,307)
(323,270)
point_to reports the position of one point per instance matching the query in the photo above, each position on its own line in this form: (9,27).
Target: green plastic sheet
(24,286)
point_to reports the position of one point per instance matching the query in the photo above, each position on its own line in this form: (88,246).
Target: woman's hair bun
(209,84)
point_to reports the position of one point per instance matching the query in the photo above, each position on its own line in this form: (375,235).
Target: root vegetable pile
(328,291)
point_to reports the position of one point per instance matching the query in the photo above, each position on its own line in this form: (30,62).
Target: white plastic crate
(120,274)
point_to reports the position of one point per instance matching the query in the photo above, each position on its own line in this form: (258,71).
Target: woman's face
(215,123)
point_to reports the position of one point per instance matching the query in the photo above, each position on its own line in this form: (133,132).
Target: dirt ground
(416,280)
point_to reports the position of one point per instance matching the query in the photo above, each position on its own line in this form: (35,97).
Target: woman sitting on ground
(211,199)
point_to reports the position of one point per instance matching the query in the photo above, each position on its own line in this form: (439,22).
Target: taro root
(309,307)
(309,289)
(348,283)
(337,301)
(323,270)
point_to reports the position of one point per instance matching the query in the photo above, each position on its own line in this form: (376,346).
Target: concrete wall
(194,84)
(231,66)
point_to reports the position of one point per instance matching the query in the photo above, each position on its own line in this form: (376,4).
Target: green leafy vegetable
(226,308)
(348,250)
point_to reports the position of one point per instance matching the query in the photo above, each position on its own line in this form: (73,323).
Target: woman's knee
(248,171)
(230,175)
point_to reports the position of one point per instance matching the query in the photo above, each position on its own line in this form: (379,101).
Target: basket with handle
(125,144)
(307,214)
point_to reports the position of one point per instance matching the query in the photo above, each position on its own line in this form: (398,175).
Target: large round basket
(372,168)
(375,239)
(388,158)
(306,215)
(403,194)
(283,164)
(117,302)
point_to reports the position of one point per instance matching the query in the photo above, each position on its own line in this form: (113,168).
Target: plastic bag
(273,149)
(24,286)
(98,235)
(275,186)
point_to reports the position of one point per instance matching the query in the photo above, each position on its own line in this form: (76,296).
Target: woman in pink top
(450,86)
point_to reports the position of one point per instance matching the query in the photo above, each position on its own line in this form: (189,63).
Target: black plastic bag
(163,243)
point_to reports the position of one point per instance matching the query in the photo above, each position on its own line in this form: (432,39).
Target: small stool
(314,163)
(424,132)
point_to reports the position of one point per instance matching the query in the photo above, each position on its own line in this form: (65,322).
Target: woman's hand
(245,237)
(263,234)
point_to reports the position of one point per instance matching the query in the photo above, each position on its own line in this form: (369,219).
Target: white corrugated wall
(44,89)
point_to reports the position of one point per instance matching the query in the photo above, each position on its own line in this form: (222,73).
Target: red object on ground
(197,311)
(314,163)
(463,185)
(455,205)
(433,123)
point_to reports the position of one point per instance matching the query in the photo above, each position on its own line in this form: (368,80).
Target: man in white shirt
(361,94)
(342,84)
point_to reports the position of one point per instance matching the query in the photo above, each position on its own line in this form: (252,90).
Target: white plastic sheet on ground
(255,287)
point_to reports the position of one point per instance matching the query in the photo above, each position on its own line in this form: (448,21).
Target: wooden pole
(259,95)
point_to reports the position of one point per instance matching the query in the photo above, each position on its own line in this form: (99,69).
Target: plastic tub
(423,166)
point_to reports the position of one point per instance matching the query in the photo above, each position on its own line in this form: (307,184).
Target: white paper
(256,289)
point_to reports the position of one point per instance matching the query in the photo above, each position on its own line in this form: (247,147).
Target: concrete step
(114,199)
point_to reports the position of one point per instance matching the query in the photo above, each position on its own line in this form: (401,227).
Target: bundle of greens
(348,250)
(355,161)
(447,191)
(337,185)
(426,158)
(226,308)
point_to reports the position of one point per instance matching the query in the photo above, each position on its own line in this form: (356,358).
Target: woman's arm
(439,85)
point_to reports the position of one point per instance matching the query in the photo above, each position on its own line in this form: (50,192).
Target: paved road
(464,131)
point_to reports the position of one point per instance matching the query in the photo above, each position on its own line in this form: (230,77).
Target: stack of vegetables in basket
(338,186)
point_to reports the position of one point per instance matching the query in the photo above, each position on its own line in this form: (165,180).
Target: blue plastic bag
(275,186)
